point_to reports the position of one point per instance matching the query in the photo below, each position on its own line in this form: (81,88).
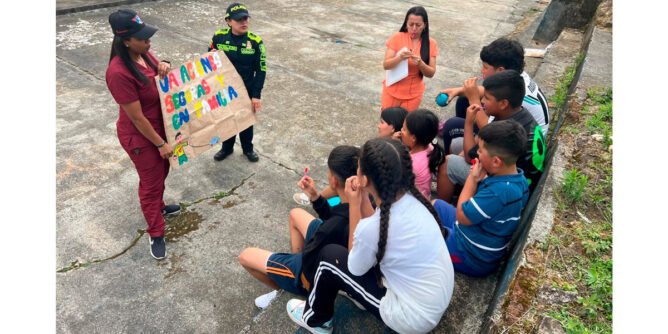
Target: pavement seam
(280,164)
(221,194)
(79,68)
(76,264)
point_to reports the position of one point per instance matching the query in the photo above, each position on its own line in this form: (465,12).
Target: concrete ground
(322,90)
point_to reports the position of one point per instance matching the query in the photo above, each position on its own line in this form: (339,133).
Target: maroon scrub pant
(152,170)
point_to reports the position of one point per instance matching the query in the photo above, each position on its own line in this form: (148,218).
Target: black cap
(236,11)
(126,23)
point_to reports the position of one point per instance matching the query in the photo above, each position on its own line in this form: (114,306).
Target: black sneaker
(252,156)
(158,248)
(221,155)
(171,210)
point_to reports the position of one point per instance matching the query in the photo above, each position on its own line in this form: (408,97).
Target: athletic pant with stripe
(331,276)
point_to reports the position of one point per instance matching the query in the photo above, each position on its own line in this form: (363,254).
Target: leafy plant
(574,185)
(571,323)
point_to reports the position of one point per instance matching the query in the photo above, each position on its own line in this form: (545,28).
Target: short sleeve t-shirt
(125,88)
(535,103)
(416,267)
(411,86)
(494,212)
(422,172)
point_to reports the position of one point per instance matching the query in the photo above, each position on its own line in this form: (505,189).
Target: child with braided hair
(398,267)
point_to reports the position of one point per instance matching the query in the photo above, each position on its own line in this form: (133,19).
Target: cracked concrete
(170,234)
(323,89)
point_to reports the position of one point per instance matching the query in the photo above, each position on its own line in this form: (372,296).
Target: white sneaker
(266,299)
(295,309)
(301,199)
(358,304)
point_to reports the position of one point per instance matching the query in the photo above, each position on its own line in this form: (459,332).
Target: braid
(386,190)
(384,225)
(380,162)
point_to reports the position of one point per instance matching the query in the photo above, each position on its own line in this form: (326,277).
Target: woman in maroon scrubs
(140,129)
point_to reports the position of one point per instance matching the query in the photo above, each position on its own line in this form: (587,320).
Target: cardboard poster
(204,102)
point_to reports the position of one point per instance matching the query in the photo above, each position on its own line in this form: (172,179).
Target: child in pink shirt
(419,130)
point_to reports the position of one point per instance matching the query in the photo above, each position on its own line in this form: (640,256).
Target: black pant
(461,106)
(454,126)
(246,138)
(331,276)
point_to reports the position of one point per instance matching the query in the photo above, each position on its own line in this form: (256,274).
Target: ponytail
(436,158)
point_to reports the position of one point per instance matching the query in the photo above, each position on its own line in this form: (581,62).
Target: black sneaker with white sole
(158,247)
(171,210)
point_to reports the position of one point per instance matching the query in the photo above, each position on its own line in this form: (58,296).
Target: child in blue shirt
(490,205)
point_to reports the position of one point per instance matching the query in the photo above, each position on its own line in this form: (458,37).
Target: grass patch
(577,254)
(561,91)
(600,121)
(587,191)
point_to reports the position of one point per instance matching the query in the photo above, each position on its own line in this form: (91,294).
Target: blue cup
(442,99)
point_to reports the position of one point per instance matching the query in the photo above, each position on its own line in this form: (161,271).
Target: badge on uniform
(249,45)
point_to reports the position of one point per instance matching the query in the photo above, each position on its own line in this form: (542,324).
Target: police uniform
(248,55)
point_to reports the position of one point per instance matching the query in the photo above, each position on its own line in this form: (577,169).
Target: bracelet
(161,145)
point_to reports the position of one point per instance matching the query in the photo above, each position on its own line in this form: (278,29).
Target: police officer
(247,53)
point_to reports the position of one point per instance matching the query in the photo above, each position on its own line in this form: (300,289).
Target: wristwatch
(161,145)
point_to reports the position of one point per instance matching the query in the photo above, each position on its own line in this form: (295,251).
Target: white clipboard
(397,73)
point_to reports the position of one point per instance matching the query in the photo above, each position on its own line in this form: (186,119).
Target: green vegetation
(601,120)
(561,91)
(221,194)
(586,205)
(574,185)
(574,263)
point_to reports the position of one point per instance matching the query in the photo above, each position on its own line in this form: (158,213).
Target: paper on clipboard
(397,73)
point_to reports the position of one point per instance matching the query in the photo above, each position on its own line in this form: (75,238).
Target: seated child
(396,264)
(419,130)
(490,205)
(500,55)
(503,96)
(391,121)
(294,271)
